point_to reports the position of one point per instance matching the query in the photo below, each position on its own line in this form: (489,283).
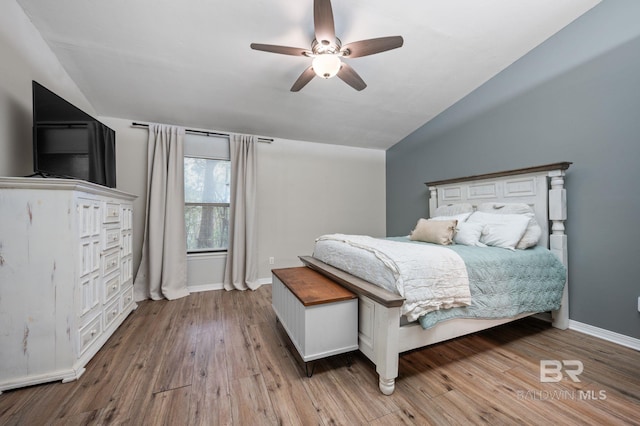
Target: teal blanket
(505,283)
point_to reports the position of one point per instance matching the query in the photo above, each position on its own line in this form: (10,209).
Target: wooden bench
(319,316)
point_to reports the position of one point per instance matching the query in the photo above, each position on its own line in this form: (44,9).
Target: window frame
(191,204)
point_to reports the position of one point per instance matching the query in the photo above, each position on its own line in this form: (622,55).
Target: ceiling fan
(326,50)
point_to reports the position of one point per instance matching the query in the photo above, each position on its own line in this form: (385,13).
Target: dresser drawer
(127,299)
(111,312)
(110,238)
(110,262)
(111,212)
(90,332)
(111,287)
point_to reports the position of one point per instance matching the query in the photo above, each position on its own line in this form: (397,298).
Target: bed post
(433,200)
(386,345)
(558,240)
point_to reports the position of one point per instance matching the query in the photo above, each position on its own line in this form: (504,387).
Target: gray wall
(574,98)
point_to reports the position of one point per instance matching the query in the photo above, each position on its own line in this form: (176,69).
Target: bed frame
(383,333)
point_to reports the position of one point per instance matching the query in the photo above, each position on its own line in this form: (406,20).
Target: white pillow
(531,235)
(469,234)
(500,230)
(459,217)
(453,209)
(505,208)
(533,232)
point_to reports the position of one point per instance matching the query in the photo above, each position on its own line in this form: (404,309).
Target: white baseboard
(601,333)
(205,287)
(263,281)
(220,286)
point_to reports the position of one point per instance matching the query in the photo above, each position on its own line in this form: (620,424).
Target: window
(207,195)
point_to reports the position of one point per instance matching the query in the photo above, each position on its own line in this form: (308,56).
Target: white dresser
(65,276)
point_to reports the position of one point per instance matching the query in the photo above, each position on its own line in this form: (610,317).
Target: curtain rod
(203,132)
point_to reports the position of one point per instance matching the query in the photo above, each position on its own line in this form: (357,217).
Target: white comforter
(428,277)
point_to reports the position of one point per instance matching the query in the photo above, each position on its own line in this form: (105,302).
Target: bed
(384,332)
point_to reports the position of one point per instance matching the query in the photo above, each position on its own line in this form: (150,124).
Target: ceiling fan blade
(323,22)
(283,50)
(371,46)
(351,77)
(306,76)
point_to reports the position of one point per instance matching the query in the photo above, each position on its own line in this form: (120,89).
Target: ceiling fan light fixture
(326,65)
(326,50)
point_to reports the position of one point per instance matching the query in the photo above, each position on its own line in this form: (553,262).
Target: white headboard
(541,187)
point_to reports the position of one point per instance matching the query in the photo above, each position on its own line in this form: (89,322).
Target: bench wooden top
(355,284)
(312,288)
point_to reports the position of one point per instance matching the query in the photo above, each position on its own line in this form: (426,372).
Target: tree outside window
(207,195)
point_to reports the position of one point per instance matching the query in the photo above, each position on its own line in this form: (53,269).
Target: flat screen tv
(69,143)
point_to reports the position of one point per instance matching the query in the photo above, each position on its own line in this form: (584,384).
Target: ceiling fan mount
(326,47)
(326,50)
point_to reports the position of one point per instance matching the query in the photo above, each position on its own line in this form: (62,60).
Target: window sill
(207,255)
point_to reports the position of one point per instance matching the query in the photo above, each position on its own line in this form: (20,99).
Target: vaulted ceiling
(188,62)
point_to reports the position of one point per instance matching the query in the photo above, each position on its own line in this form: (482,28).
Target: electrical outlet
(271,261)
(638,304)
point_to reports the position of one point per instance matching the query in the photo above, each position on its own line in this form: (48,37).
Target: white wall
(24,56)
(309,189)
(305,190)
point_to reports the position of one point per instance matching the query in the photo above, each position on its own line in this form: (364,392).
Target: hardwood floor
(220,358)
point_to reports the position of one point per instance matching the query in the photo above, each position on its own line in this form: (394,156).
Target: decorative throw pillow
(533,232)
(453,209)
(500,230)
(469,234)
(434,231)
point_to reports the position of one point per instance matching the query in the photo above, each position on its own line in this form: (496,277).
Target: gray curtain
(241,271)
(163,268)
